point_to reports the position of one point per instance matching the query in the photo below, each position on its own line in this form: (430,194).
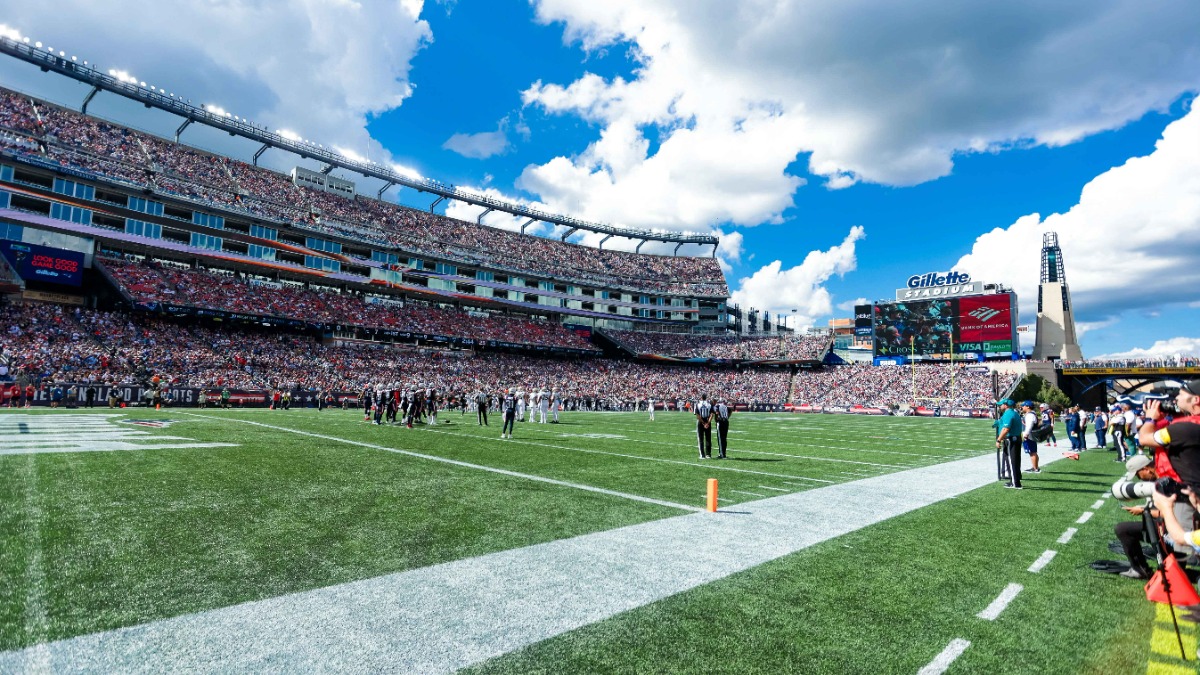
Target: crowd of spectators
(89,144)
(926,385)
(147,284)
(724,347)
(50,343)
(1177,361)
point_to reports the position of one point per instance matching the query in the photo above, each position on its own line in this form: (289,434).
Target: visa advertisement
(42,263)
(981,324)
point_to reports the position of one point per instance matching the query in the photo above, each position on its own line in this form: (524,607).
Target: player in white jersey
(520,406)
(543,405)
(650,407)
(555,404)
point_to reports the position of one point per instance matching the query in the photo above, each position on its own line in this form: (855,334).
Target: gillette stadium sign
(939,285)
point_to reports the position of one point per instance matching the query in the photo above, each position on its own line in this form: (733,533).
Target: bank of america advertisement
(985,324)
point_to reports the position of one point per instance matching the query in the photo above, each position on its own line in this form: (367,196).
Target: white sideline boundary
(469,465)
(446,617)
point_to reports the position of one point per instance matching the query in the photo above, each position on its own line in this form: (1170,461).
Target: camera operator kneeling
(1137,483)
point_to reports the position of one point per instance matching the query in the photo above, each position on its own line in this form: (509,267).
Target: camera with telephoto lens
(1127,490)
(1165,398)
(1168,487)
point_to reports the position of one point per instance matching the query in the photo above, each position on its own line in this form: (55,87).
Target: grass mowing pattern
(135,536)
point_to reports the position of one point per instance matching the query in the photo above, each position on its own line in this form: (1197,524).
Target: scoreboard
(43,263)
(982,324)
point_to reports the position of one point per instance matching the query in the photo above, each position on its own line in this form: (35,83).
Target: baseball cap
(1026,404)
(1097,408)
(1191,387)
(1137,463)
(1005,401)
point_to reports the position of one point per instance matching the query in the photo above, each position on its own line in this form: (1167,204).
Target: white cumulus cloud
(800,288)
(1131,241)
(1163,349)
(320,69)
(872,91)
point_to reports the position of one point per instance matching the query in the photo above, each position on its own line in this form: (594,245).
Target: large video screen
(938,327)
(42,263)
(921,328)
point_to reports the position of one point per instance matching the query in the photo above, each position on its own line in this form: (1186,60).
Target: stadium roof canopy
(124,85)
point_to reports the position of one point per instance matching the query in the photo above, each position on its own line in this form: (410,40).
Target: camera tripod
(1161,551)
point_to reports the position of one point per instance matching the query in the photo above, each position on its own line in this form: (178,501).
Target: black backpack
(1040,431)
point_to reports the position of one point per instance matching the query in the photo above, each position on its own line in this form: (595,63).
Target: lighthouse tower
(1055,319)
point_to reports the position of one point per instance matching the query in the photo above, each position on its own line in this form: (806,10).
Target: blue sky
(836,149)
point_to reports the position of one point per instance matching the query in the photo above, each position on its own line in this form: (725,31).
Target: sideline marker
(1183,594)
(712,495)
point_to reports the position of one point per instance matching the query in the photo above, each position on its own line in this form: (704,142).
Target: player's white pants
(542,413)
(555,411)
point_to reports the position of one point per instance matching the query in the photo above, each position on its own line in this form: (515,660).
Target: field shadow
(1027,486)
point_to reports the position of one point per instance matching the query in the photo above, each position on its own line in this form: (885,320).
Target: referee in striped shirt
(704,413)
(721,415)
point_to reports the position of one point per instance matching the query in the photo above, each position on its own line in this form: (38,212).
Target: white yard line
(1066,536)
(743,492)
(804,438)
(469,465)
(1087,515)
(37,621)
(712,466)
(993,611)
(1042,561)
(952,651)
(446,617)
(1098,503)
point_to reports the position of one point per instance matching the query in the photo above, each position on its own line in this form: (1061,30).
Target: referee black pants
(722,431)
(704,440)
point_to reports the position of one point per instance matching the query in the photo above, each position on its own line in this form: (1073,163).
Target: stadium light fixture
(38,44)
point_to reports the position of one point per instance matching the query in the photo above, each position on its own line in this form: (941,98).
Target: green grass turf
(889,598)
(132,536)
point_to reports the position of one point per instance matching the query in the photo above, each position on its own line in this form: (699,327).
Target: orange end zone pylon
(712,495)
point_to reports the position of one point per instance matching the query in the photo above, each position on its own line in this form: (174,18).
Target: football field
(295,541)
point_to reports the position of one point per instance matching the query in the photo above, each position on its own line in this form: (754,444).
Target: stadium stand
(724,347)
(88,144)
(46,343)
(147,285)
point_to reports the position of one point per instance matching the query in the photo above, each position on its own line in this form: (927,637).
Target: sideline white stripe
(37,621)
(1087,515)
(446,617)
(468,465)
(1042,561)
(1098,504)
(768,487)
(992,612)
(952,651)
(706,465)
(1066,536)
(804,442)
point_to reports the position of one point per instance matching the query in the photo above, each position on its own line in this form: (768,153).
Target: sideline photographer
(1178,443)
(1137,483)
